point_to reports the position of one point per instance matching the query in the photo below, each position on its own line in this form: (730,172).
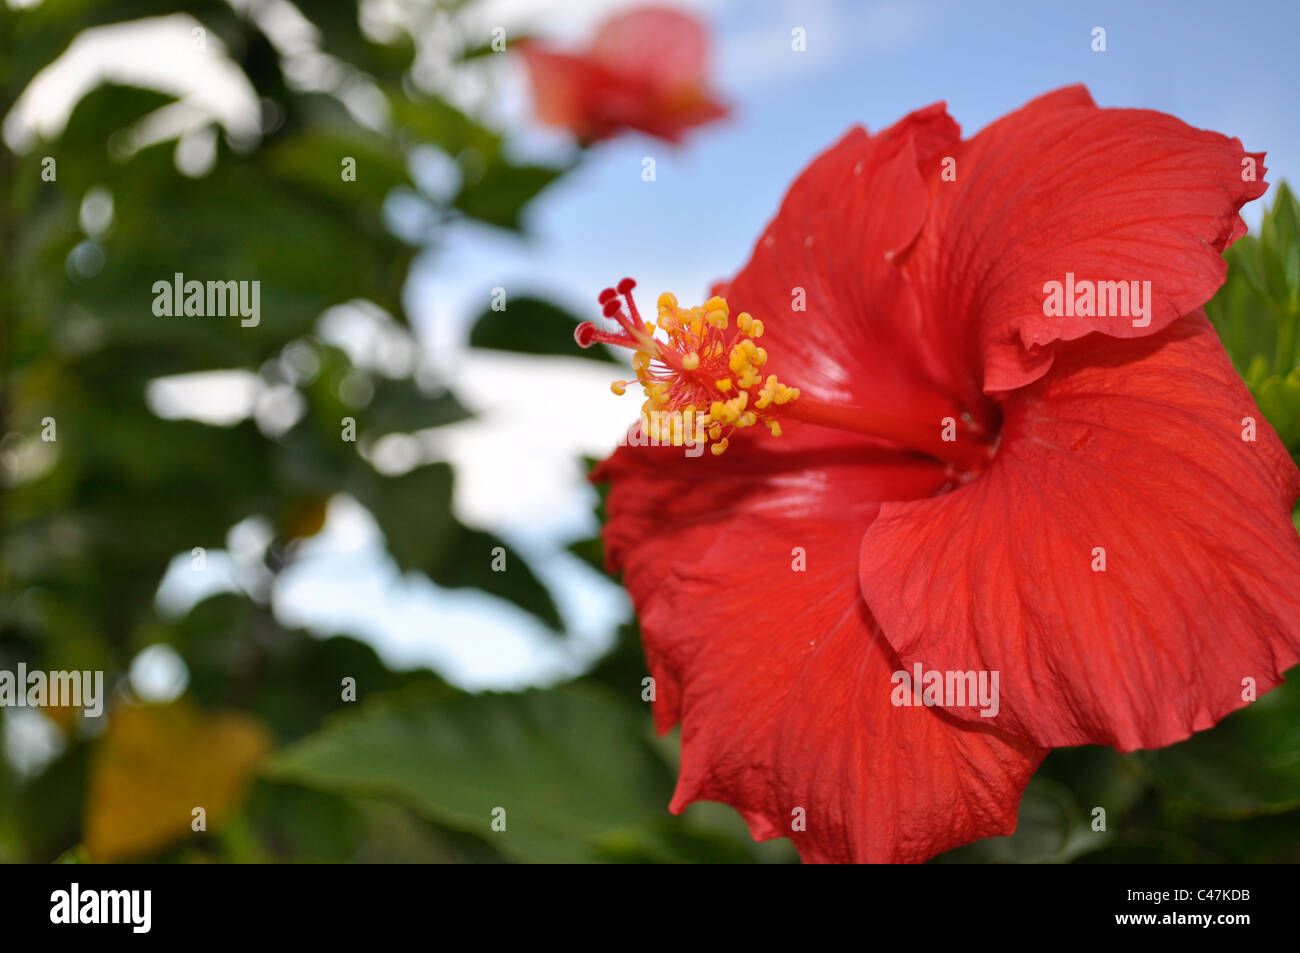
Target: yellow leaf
(303,518)
(155,765)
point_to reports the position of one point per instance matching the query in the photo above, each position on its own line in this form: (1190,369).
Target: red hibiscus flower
(922,458)
(645,70)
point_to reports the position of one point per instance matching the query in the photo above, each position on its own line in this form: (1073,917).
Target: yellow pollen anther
(619,387)
(691,361)
(719,448)
(723,384)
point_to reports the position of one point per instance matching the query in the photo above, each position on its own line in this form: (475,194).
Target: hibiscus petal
(645,70)
(771,722)
(1062,186)
(665,45)
(562,89)
(784,688)
(1135,448)
(664,505)
(839,315)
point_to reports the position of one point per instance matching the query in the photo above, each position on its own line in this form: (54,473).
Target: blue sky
(865,62)
(871,63)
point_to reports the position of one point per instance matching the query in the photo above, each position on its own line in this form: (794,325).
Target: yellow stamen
(690,360)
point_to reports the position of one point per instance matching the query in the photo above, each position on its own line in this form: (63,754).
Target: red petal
(831,248)
(770,722)
(663,504)
(1062,186)
(645,71)
(1134,447)
(562,89)
(662,44)
(784,687)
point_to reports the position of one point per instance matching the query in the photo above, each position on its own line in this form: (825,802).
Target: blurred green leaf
(1257,314)
(570,768)
(237,653)
(342,36)
(1279,247)
(414,511)
(38,33)
(50,805)
(530,325)
(498,192)
(438,122)
(1142,846)
(400,406)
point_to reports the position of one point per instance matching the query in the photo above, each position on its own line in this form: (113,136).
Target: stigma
(702,373)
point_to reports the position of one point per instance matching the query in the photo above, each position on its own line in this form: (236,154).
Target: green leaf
(443,125)
(342,36)
(1257,315)
(1279,243)
(314,160)
(1143,846)
(499,194)
(570,768)
(469,561)
(36,34)
(530,325)
(414,511)
(493,189)
(235,649)
(400,406)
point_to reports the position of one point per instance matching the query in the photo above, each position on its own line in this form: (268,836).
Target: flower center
(705,381)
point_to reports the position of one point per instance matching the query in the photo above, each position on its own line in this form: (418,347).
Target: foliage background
(260,737)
